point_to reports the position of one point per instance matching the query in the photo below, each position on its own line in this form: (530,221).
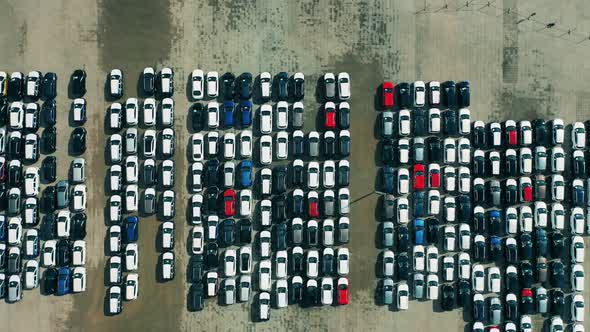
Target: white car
(540,214)
(281,264)
(211,282)
(264,306)
(230,263)
(558,131)
(167,112)
(541,158)
(327,289)
(196,208)
(131,170)
(577,221)
(79,279)
(197,240)
(464,237)
(265,239)
(450,178)
(449,238)
(281,293)
(266,212)
(496,130)
(212,138)
(131,257)
(578,135)
(343,201)
(212,84)
(312,264)
(16,115)
(265,85)
(313,175)
(31,276)
(418,258)
(344,86)
(197,87)
(265,119)
(329,174)
(266,149)
(213,114)
(266,181)
(31,179)
(229,171)
(116,148)
(131,112)
(477,278)
(577,249)
(432,287)
(49,253)
(342,261)
(282,145)
(403,296)
(432,259)
(388,263)
(149,112)
(403,181)
(15,231)
(403,150)
(525,219)
(31,245)
(131,198)
(464,262)
(434,121)
(464,180)
(402,207)
(557,188)
(282,115)
(131,286)
(494,159)
(115,269)
(116,116)
(264,275)
(78,110)
(419,94)
(245,199)
(526,161)
(116,83)
(578,307)
(167,235)
(557,216)
(79,253)
(115,207)
(33,82)
(494,280)
(229,291)
(246,144)
(212,223)
(197,147)
(464,151)
(229,146)
(464,121)
(449,208)
(577,278)
(63,224)
(433,197)
(404,123)
(450,153)
(557,159)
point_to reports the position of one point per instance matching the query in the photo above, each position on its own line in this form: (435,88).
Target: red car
(342,295)
(418,181)
(330,115)
(229,202)
(511,133)
(434,176)
(387,95)
(313,204)
(527,192)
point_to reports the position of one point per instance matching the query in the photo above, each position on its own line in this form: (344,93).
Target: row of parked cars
(419,94)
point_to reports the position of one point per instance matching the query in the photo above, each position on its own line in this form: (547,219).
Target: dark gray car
(14,197)
(495,311)
(63,194)
(313,142)
(388,207)
(387,233)
(149,201)
(495,193)
(343,229)
(387,291)
(297,116)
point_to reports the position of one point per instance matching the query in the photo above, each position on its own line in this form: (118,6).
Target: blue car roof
(495,213)
(132,219)
(246,104)
(247,163)
(419,222)
(228,104)
(64,270)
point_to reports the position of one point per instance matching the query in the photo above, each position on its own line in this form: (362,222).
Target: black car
(3,196)
(78,140)
(496,249)
(479,194)
(465,295)
(541,133)
(15,147)
(64,254)
(512,310)
(281,82)
(14,263)
(403,266)
(465,211)
(298,146)
(49,227)
(511,195)
(527,304)
(211,199)
(480,251)
(449,94)
(327,264)
(479,223)
(404,95)
(403,238)
(512,282)
(511,253)
(329,146)
(226,232)
(49,168)
(343,174)
(148,82)
(211,255)
(49,112)
(297,263)
(212,173)
(244,231)
(344,145)
(526,246)
(433,233)
(78,228)
(526,274)
(297,206)
(420,122)
(297,87)
(49,86)
(48,200)
(227,86)
(197,116)
(279,180)
(478,310)
(297,176)
(479,137)
(78,81)
(541,242)
(450,122)
(448,297)
(311,296)
(464,93)
(149,174)
(196,269)
(579,167)
(557,304)
(311,236)
(557,278)
(50,281)
(3,111)
(434,150)
(479,166)
(343,116)
(15,175)
(244,86)
(296,293)
(3,288)
(279,213)
(196,297)
(557,244)
(15,87)
(387,151)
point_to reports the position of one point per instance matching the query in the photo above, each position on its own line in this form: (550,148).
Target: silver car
(78,170)
(418,286)
(387,234)
(63,194)
(297,115)
(495,311)
(387,291)
(387,124)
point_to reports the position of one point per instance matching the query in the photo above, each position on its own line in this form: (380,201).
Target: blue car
(246,173)
(63,281)
(418,231)
(245,110)
(228,114)
(578,195)
(131,229)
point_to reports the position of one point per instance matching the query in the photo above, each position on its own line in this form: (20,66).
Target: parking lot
(542,76)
